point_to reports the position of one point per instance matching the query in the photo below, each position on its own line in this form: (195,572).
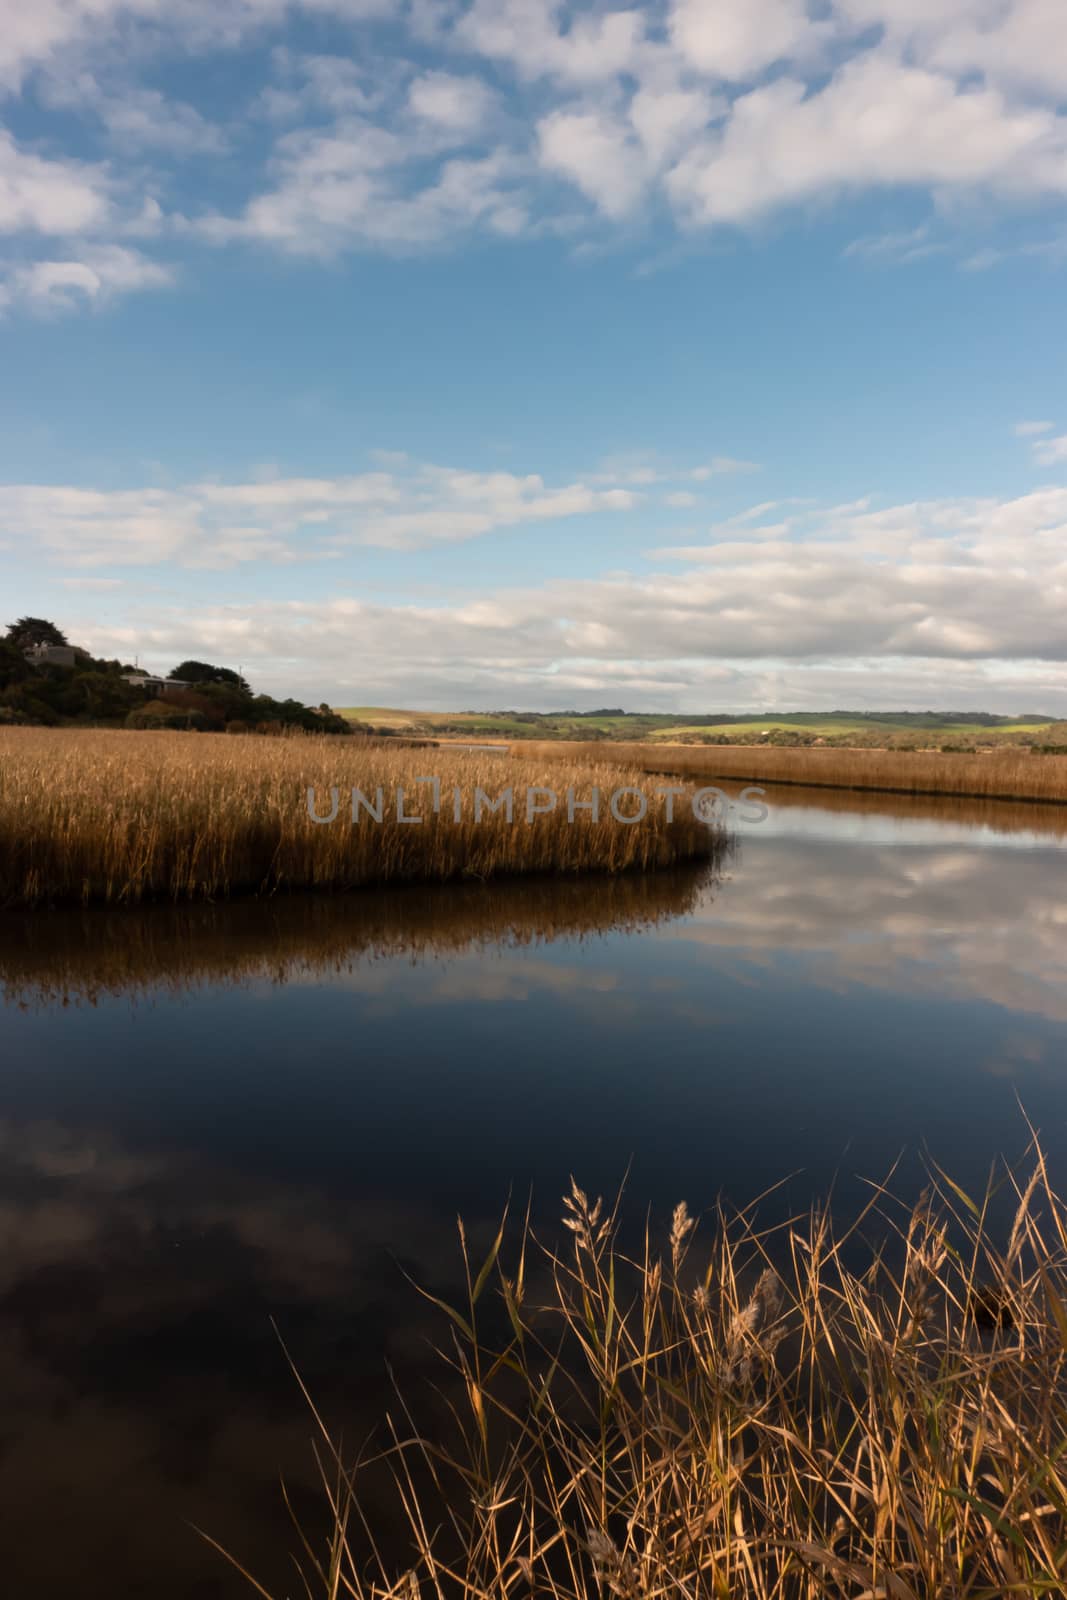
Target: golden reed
(998,775)
(873,1411)
(122,817)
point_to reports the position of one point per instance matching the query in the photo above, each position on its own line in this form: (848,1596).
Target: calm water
(217,1117)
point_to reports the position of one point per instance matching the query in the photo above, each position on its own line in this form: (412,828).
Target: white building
(51,655)
(156,686)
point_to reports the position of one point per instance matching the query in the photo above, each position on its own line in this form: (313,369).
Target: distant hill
(916,729)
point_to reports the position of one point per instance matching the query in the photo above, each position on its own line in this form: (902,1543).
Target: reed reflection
(69,955)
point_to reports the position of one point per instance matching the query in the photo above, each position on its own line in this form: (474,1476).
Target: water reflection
(70,955)
(144,1386)
(839,811)
(218,1115)
(955,916)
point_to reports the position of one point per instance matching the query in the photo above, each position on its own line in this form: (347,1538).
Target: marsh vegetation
(1008,774)
(868,1412)
(122,817)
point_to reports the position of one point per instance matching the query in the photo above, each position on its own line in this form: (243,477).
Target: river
(228,1123)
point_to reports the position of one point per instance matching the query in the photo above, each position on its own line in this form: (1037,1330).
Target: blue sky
(693,356)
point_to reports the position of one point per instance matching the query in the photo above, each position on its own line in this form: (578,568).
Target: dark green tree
(203,672)
(28,631)
(14,668)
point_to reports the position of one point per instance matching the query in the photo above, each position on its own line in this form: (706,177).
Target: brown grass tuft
(803,1415)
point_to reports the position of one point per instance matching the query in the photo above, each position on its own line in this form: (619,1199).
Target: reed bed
(996,775)
(1047,820)
(122,817)
(874,1412)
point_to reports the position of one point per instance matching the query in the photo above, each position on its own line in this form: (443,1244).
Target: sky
(705,355)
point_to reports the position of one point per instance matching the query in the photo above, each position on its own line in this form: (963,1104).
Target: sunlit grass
(784,1415)
(1010,774)
(90,815)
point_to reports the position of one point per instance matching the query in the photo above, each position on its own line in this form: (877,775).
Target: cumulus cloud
(737,42)
(351,184)
(878,123)
(458,104)
(441,656)
(596,152)
(531,35)
(54,32)
(41,195)
(92,275)
(1018,43)
(288,519)
(514,117)
(957,598)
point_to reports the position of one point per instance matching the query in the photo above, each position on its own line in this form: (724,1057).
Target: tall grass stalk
(999,774)
(119,817)
(789,1415)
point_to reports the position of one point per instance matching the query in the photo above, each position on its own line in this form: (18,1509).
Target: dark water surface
(219,1116)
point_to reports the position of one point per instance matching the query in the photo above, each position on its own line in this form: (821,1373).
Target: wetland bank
(120,817)
(226,1117)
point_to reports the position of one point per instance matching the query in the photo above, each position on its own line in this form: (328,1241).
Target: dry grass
(1000,774)
(123,817)
(784,1416)
(997,816)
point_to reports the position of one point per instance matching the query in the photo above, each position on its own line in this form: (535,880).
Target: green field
(920,728)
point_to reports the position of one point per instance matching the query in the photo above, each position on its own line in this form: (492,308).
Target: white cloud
(1015,42)
(878,123)
(460,105)
(527,33)
(666,118)
(91,276)
(927,601)
(1026,430)
(146,119)
(289,519)
(598,154)
(737,42)
(52,32)
(143,118)
(352,185)
(898,248)
(722,466)
(724,113)
(1049,452)
(47,196)
(308,85)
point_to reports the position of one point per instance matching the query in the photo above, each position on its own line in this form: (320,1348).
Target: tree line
(94,692)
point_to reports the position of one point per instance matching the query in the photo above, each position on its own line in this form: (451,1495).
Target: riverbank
(121,817)
(996,775)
